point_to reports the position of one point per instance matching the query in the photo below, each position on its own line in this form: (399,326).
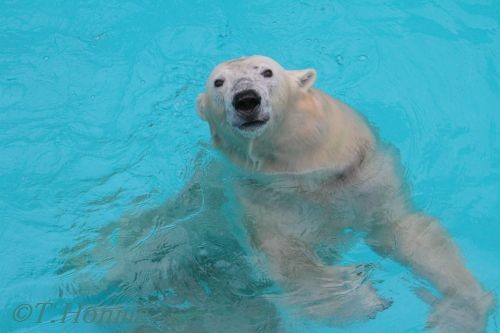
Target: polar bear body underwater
(310,168)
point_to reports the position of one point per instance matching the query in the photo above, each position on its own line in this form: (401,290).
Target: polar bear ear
(201,105)
(305,78)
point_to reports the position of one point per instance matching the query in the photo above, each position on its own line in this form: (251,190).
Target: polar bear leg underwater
(308,157)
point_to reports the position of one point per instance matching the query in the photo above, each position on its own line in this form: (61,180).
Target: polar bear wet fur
(309,167)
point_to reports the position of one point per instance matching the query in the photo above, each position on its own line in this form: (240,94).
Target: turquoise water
(97,120)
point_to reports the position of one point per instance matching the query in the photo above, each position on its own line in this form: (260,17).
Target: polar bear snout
(249,114)
(246,102)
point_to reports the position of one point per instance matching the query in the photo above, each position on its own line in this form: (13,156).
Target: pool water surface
(98,122)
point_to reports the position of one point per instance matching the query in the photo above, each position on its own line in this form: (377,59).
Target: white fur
(315,169)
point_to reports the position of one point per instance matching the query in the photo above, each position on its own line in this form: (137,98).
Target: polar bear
(309,168)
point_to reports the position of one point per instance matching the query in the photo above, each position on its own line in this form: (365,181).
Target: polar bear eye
(218,83)
(267,73)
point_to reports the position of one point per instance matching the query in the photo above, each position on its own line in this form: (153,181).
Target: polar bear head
(246,97)
(271,120)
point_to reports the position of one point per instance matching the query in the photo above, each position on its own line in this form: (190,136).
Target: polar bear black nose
(246,101)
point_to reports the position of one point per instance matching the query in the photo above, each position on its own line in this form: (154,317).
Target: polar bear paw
(461,314)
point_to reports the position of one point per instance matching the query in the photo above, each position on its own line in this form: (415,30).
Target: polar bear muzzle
(246,102)
(247,106)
